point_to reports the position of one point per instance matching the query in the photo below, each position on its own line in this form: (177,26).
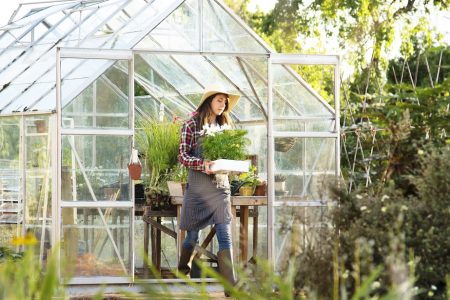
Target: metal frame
(272,58)
(291,59)
(94,54)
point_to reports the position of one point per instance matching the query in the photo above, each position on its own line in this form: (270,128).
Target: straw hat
(218,89)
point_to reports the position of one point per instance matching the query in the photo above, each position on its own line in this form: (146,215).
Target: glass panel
(103,168)
(40,14)
(133,28)
(96,242)
(7,58)
(305,125)
(26,96)
(303,168)
(236,71)
(222,33)
(104,102)
(148,107)
(11,205)
(180,30)
(198,66)
(38,211)
(18,68)
(55,33)
(299,232)
(167,68)
(101,13)
(320,78)
(292,98)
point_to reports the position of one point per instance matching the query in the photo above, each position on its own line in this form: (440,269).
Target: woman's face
(218,104)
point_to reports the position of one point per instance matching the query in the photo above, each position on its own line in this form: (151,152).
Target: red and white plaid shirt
(189,139)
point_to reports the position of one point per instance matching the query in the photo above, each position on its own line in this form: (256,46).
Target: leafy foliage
(24,278)
(160,142)
(227,144)
(410,223)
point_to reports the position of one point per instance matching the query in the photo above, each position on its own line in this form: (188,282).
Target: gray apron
(205,203)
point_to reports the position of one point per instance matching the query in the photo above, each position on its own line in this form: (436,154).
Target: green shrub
(394,227)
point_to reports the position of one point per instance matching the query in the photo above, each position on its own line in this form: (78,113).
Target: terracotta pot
(41,126)
(260,190)
(135,171)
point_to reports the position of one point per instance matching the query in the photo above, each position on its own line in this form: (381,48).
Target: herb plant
(224,143)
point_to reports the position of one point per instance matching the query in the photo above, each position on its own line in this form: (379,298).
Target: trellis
(365,128)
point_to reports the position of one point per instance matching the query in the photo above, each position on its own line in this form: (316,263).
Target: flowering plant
(223,142)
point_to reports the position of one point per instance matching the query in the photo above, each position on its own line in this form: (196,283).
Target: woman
(205,202)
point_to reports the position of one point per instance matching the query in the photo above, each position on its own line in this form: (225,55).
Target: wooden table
(153,228)
(236,201)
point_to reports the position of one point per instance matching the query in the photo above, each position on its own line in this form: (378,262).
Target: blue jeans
(223,233)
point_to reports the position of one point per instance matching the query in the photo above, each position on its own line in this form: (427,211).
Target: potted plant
(177,180)
(248,181)
(159,142)
(226,147)
(261,188)
(280,184)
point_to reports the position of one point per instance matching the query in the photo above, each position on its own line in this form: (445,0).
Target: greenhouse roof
(28,46)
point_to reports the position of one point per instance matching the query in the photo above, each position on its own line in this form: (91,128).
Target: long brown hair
(204,111)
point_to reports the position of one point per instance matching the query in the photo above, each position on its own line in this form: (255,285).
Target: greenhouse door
(95,109)
(303,155)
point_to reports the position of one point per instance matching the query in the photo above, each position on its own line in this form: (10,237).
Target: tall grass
(160,142)
(22,277)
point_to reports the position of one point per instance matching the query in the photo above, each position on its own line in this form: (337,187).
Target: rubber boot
(185,257)
(225,261)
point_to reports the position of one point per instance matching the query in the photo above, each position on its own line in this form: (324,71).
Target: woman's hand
(208,164)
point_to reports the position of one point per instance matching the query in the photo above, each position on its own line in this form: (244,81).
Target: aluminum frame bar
(307,134)
(89,53)
(304,59)
(81,131)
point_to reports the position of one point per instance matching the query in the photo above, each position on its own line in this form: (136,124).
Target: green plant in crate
(222,142)
(159,142)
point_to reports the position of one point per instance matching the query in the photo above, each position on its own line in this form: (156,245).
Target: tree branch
(406,9)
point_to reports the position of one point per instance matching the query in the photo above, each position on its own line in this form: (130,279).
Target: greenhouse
(76,80)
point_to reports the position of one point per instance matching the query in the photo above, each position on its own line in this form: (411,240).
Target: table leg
(179,237)
(146,234)
(158,246)
(233,231)
(153,245)
(243,236)
(255,230)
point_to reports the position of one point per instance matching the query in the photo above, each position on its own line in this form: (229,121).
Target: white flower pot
(228,165)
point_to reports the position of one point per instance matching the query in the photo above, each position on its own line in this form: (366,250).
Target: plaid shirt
(189,139)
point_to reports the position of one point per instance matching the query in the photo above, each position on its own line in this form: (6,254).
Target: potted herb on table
(248,180)
(177,180)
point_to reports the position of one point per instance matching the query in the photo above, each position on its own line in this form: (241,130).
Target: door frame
(296,59)
(107,54)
